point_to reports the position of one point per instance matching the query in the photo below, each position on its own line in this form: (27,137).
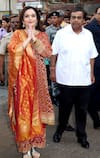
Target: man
(51,30)
(62,21)
(3,47)
(5,27)
(72,67)
(3,32)
(0,23)
(94,105)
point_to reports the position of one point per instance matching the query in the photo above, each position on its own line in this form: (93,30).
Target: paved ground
(67,148)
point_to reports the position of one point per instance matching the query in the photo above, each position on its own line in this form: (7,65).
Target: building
(8,7)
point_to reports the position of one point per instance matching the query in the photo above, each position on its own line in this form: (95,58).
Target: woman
(30,107)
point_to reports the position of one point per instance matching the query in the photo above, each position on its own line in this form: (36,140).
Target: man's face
(77,19)
(14,23)
(55,20)
(97,15)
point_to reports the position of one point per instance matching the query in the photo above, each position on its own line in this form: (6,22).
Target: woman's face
(30,18)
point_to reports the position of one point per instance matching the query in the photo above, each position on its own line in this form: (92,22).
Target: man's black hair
(78,8)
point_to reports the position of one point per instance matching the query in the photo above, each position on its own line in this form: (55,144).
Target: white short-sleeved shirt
(4,42)
(74,54)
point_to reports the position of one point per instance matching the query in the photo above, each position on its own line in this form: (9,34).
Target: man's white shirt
(74,53)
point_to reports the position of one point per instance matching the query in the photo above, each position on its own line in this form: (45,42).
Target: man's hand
(92,78)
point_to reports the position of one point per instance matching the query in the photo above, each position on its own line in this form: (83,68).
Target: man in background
(14,24)
(94,105)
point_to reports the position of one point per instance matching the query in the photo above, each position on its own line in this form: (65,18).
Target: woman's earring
(23,25)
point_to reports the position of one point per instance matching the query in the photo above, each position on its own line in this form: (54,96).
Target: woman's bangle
(34,41)
(37,44)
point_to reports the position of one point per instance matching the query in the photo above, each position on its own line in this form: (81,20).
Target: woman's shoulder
(19,33)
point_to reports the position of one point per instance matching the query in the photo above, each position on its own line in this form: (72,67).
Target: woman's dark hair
(21,16)
(0,22)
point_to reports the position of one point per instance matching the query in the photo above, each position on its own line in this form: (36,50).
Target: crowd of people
(52,59)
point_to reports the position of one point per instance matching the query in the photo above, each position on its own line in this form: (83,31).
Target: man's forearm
(53,60)
(92,65)
(92,70)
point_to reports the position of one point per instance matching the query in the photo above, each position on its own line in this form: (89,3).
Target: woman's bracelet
(34,41)
(37,43)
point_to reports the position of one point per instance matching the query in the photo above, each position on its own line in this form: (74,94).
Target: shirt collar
(71,30)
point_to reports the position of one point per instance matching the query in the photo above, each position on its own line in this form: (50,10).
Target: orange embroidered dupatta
(30,106)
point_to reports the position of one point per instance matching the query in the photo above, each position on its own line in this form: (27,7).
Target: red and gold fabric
(30,107)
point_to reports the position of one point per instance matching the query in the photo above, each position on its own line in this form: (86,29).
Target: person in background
(51,30)
(94,105)
(4,30)
(47,22)
(14,24)
(67,16)
(30,106)
(67,19)
(5,26)
(87,20)
(72,67)
(61,18)
(0,23)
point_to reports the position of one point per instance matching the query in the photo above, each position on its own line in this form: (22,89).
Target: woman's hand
(31,37)
(31,33)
